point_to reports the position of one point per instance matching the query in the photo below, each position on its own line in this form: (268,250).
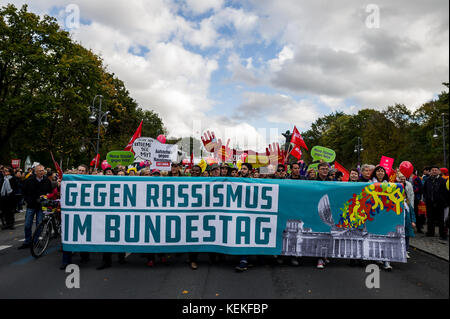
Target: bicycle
(51,223)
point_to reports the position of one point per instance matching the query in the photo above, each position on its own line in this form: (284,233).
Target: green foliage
(47,83)
(395,132)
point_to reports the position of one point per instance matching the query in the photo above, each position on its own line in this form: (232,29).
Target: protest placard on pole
(387,163)
(323,153)
(160,155)
(116,158)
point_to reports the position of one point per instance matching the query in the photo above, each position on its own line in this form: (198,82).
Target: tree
(394,132)
(47,83)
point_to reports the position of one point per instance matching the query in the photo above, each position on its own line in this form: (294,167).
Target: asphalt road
(23,277)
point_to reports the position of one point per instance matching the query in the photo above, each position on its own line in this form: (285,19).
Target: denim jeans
(31,212)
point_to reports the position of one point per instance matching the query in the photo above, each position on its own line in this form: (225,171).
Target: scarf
(6,187)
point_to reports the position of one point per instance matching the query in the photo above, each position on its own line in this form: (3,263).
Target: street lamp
(442,130)
(359,149)
(85,141)
(100,117)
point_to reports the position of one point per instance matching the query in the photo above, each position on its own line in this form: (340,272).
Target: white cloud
(326,54)
(201,6)
(277,108)
(333,55)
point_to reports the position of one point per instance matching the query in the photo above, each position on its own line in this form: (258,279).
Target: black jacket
(33,189)
(14,186)
(435,192)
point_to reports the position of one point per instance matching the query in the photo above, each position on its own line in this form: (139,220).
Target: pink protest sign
(387,163)
(15,163)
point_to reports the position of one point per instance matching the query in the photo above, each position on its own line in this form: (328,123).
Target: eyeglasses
(280,170)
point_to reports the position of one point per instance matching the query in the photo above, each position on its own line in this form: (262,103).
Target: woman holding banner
(354,175)
(410,218)
(379,175)
(107,257)
(323,176)
(151,256)
(311,174)
(243,262)
(196,171)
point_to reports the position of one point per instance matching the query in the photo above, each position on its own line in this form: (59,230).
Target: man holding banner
(243,262)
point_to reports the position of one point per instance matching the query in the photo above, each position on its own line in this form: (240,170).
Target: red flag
(95,161)
(342,169)
(191,163)
(58,169)
(296,152)
(297,139)
(136,135)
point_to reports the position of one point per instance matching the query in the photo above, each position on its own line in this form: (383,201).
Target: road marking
(5,246)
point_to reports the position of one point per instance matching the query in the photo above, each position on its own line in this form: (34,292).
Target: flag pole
(287,154)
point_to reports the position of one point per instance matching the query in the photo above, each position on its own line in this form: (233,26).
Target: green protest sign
(323,153)
(315,166)
(115,158)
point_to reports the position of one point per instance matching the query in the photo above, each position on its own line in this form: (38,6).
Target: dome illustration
(325,211)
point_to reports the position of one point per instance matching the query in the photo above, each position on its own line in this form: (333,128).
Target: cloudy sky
(256,68)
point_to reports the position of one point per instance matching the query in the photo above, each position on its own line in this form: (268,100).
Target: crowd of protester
(21,189)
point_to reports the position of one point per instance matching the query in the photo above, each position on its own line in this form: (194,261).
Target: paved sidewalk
(431,245)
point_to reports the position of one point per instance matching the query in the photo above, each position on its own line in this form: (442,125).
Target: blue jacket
(410,217)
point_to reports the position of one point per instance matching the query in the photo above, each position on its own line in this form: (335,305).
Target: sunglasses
(280,170)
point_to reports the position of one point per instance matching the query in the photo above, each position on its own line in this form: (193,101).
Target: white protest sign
(142,147)
(160,155)
(163,155)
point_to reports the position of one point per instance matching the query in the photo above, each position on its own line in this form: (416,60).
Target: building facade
(348,243)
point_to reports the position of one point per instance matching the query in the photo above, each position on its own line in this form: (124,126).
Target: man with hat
(215,170)
(175,169)
(156,172)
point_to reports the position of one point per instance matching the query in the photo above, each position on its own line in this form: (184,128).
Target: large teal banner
(238,216)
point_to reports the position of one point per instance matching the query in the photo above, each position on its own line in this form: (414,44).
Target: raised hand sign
(224,153)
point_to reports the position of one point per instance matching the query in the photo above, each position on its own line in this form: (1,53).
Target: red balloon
(244,157)
(161,138)
(406,168)
(105,165)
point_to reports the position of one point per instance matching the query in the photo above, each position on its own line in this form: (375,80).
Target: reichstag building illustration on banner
(342,243)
